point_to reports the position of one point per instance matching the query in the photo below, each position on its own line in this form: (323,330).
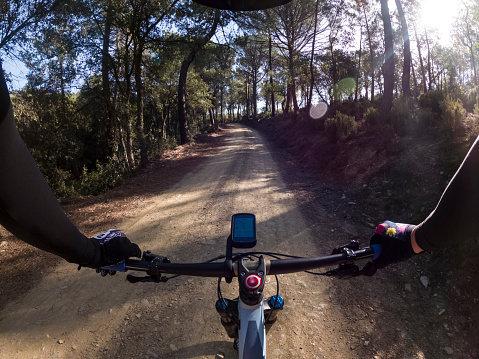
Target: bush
(105,176)
(432,100)
(403,117)
(453,114)
(426,118)
(372,116)
(470,100)
(340,126)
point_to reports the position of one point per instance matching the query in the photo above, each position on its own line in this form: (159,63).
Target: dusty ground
(180,206)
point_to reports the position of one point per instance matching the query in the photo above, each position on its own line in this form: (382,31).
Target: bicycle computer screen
(243,230)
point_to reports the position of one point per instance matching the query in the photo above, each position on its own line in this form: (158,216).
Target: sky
(17,73)
(440,15)
(436,14)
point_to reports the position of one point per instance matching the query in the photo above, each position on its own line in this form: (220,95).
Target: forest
(112,83)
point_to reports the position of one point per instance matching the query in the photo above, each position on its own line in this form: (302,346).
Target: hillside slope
(379,176)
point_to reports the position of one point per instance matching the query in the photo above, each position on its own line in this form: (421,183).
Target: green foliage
(426,118)
(432,100)
(403,117)
(48,123)
(471,103)
(343,89)
(340,126)
(453,114)
(372,116)
(104,177)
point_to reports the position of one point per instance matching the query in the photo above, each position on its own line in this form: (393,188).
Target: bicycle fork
(234,312)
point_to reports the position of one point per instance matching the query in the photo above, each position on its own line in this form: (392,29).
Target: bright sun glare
(439,15)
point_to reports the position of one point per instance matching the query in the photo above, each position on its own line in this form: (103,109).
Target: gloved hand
(395,241)
(115,248)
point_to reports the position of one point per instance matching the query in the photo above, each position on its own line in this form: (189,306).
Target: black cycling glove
(115,248)
(395,241)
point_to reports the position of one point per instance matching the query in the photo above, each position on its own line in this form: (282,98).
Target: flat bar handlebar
(284,266)
(281,266)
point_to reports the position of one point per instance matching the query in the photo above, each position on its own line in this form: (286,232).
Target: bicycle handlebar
(281,266)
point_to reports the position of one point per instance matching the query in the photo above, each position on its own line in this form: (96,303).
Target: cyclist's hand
(395,241)
(115,248)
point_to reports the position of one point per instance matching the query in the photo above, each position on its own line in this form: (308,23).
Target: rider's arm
(28,207)
(455,217)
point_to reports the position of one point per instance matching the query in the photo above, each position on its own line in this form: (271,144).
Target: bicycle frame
(252,333)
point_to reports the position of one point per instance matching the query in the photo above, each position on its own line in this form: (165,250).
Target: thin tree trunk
(421,63)
(182,118)
(406,75)
(105,68)
(371,55)
(311,68)
(387,100)
(140,106)
(271,76)
(429,67)
(359,64)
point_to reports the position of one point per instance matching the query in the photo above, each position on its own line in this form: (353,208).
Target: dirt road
(78,314)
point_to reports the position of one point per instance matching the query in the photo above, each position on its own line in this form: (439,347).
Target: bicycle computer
(243,230)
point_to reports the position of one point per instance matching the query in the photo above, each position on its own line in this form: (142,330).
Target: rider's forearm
(455,217)
(28,208)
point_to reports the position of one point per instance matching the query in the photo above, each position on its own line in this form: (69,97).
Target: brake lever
(344,271)
(347,249)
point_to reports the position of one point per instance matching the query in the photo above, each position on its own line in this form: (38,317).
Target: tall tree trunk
(359,64)
(292,83)
(212,117)
(371,56)
(387,100)
(128,120)
(255,100)
(140,103)
(182,118)
(105,75)
(271,76)
(406,73)
(429,66)
(221,105)
(423,71)
(248,103)
(416,88)
(311,68)
(287,101)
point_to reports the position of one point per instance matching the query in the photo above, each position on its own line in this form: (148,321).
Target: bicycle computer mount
(243,235)
(243,230)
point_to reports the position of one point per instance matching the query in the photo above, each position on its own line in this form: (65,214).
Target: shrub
(104,177)
(340,126)
(470,100)
(372,116)
(453,114)
(403,117)
(426,118)
(432,100)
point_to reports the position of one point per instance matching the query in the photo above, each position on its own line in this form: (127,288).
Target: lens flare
(319,110)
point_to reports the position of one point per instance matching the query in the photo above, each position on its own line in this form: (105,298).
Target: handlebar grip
(377,248)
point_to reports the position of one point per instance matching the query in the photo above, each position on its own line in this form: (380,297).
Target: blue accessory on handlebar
(276,302)
(120,267)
